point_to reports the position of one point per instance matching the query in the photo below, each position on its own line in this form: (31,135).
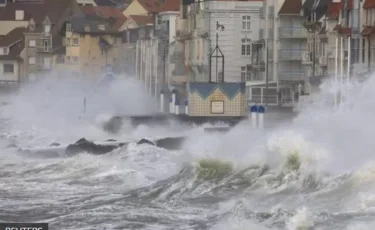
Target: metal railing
(292,32)
(291,54)
(291,76)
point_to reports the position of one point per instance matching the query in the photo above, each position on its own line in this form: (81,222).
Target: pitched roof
(12,37)
(15,41)
(79,23)
(369,4)
(170,5)
(150,5)
(333,11)
(291,7)
(106,12)
(54,9)
(142,20)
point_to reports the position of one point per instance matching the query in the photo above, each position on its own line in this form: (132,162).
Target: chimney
(20,15)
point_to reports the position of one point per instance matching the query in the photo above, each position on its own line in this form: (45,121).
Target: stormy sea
(313,172)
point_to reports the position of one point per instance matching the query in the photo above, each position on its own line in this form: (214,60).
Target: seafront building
(275,52)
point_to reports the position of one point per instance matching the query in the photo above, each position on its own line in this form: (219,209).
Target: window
(74,59)
(32,43)
(8,68)
(217,107)
(68,41)
(68,27)
(246,22)
(32,60)
(101,27)
(4,51)
(67,59)
(245,74)
(47,28)
(159,20)
(45,43)
(246,47)
(60,59)
(75,41)
(103,51)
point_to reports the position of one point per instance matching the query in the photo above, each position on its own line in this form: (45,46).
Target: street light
(218,54)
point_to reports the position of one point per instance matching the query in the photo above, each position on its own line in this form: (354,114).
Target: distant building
(368,33)
(11,47)
(91,44)
(43,39)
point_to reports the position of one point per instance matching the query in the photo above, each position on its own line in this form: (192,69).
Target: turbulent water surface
(314,173)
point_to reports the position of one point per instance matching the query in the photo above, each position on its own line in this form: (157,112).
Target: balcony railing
(291,76)
(291,54)
(182,31)
(292,32)
(44,49)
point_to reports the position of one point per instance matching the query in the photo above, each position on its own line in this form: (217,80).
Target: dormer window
(47,28)
(101,27)
(31,27)
(4,51)
(68,27)
(86,28)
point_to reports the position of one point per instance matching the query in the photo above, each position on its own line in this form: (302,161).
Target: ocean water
(314,172)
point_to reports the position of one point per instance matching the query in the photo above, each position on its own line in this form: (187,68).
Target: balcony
(306,58)
(182,31)
(291,54)
(292,32)
(291,76)
(323,61)
(258,65)
(45,49)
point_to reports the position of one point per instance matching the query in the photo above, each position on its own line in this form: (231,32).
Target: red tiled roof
(170,5)
(106,12)
(54,9)
(150,5)
(142,20)
(12,37)
(369,4)
(368,30)
(291,7)
(350,5)
(343,30)
(333,10)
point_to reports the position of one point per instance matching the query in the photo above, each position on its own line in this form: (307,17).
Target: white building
(238,27)
(284,37)
(11,47)
(153,50)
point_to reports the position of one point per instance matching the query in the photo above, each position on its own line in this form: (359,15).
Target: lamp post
(218,54)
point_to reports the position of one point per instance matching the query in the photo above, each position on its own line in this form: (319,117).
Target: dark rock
(83,145)
(145,141)
(111,140)
(113,125)
(170,143)
(55,144)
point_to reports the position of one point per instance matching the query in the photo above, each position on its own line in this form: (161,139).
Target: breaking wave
(315,173)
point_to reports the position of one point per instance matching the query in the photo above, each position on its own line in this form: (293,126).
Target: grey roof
(80,22)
